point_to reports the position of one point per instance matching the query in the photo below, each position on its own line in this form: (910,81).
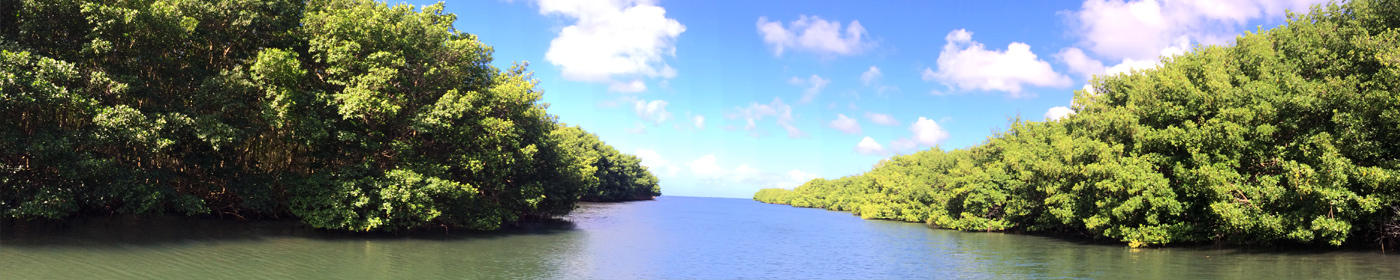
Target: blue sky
(722,98)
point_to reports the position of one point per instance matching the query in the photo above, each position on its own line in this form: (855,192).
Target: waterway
(671,237)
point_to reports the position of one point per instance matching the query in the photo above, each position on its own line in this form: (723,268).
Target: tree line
(1287,135)
(344,114)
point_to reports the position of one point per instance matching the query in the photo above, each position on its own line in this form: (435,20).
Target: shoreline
(1082,239)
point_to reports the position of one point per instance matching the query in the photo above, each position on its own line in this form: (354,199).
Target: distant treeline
(1289,135)
(345,114)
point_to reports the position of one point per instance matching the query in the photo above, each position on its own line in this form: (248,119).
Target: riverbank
(116,130)
(124,230)
(1277,138)
(1083,237)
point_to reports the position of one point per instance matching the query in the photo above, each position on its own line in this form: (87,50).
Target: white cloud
(903,145)
(705,167)
(845,124)
(1079,63)
(870,76)
(791,179)
(654,111)
(621,101)
(699,121)
(1138,32)
(813,86)
(613,41)
(639,128)
(628,87)
(1058,112)
(1084,65)
(967,64)
(925,132)
(788,180)
(653,161)
(756,112)
(881,119)
(1129,65)
(868,146)
(928,132)
(797,178)
(744,171)
(812,34)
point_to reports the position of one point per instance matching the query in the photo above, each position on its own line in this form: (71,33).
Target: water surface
(671,237)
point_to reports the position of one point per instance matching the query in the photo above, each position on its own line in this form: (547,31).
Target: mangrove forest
(1288,135)
(343,114)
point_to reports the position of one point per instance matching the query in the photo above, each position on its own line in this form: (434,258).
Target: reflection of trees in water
(190,248)
(673,237)
(960,254)
(153,230)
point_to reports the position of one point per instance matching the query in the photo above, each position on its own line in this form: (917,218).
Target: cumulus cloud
(813,34)
(904,145)
(870,76)
(755,112)
(705,167)
(787,180)
(639,128)
(928,132)
(653,161)
(868,146)
(1080,63)
(1141,30)
(1129,65)
(654,111)
(699,121)
(708,168)
(812,86)
(1136,33)
(845,124)
(797,178)
(967,64)
(924,131)
(1058,112)
(613,41)
(744,171)
(881,119)
(628,87)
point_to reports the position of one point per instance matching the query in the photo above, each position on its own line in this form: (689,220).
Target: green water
(672,237)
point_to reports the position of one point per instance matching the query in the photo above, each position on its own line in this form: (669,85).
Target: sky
(723,98)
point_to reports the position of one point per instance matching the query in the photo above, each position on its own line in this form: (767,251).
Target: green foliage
(1288,135)
(618,176)
(348,114)
(774,196)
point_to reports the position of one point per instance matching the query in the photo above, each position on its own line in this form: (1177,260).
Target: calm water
(672,237)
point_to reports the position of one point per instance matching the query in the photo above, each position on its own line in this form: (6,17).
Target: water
(672,237)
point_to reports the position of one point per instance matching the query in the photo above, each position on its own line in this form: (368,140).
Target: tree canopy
(347,114)
(619,176)
(1287,135)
